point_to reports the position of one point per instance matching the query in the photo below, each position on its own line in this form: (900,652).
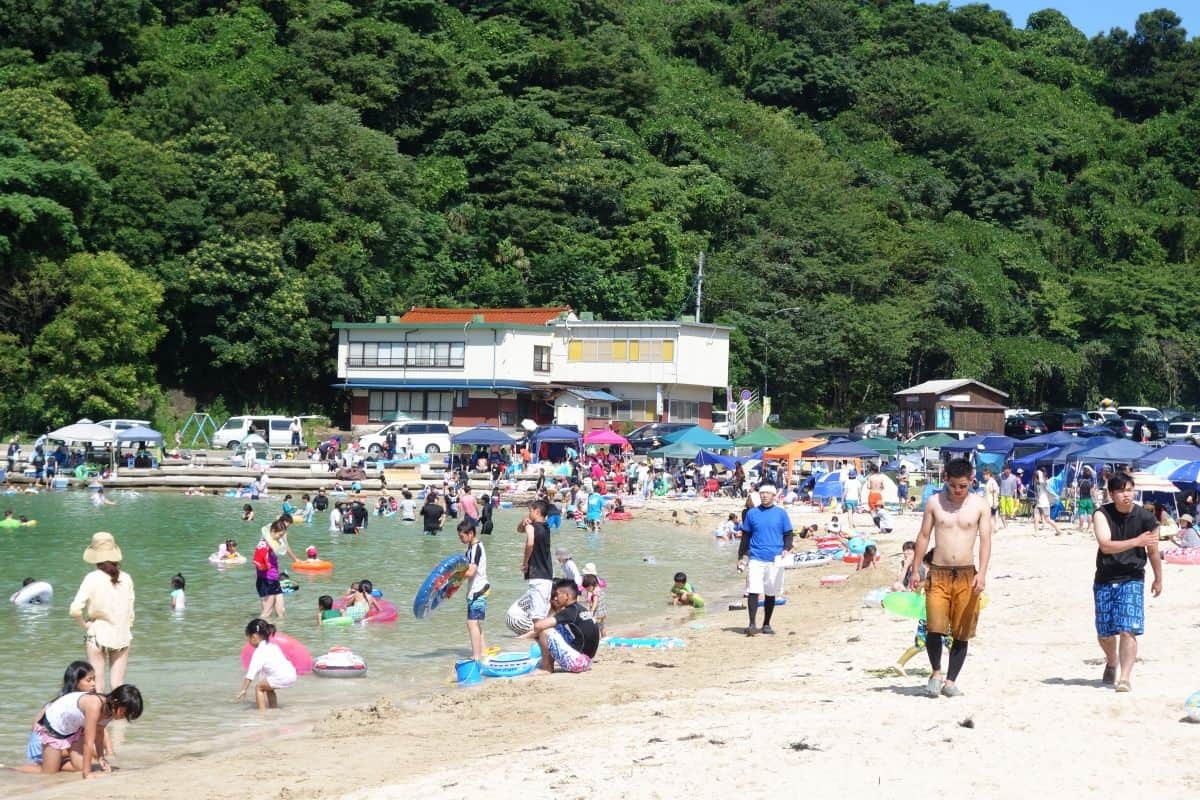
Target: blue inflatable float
(441,585)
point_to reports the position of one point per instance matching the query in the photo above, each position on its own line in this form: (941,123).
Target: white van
(275,430)
(1182,431)
(414,435)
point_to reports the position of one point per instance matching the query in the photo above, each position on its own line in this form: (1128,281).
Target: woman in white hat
(103,606)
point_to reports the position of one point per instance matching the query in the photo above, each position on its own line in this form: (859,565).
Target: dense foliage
(192,190)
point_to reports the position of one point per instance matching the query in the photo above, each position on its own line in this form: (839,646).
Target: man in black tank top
(1127,536)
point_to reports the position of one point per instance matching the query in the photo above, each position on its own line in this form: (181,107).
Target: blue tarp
(1030,462)
(828,486)
(1117,451)
(1052,439)
(483,436)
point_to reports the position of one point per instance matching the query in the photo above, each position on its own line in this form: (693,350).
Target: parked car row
(1135,422)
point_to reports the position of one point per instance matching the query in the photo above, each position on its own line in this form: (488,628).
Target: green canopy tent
(764,436)
(881,445)
(701,437)
(929,442)
(684,450)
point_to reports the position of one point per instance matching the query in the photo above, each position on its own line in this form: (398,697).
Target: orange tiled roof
(518,316)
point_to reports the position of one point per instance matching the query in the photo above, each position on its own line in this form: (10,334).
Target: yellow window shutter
(575,350)
(668,350)
(619,350)
(633,350)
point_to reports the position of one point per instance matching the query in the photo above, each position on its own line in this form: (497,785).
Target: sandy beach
(813,709)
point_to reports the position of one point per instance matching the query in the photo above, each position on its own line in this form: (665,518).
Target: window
(645,350)
(446,355)
(599,411)
(508,418)
(541,358)
(383,406)
(685,411)
(635,410)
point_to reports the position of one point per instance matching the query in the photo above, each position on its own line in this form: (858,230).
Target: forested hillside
(190,192)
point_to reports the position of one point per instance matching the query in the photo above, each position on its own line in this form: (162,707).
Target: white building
(500,366)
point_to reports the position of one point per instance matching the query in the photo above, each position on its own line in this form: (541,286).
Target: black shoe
(768,630)
(752,630)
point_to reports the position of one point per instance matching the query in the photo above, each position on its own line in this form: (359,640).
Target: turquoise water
(187,666)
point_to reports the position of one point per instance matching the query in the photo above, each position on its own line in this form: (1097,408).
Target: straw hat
(103,548)
(590,568)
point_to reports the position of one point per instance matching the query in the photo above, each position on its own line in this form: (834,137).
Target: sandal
(1123,686)
(1109,677)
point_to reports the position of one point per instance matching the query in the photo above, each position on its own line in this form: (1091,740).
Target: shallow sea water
(187,665)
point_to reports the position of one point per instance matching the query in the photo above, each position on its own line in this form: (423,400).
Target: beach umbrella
(1179,451)
(1188,474)
(762,436)
(1164,468)
(483,435)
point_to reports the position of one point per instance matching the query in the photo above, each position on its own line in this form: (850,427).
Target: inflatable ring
(11,522)
(238,558)
(518,618)
(312,565)
(337,622)
(339,662)
(38,593)
(657,642)
(620,515)
(852,558)
(293,651)
(442,583)
(1182,555)
(509,665)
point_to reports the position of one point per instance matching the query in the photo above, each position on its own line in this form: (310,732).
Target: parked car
(118,425)
(413,435)
(871,425)
(1185,416)
(1149,414)
(1182,431)
(1101,416)
(275,430)
(1129,427)
(648,437)
(1064,420)
(1024,427)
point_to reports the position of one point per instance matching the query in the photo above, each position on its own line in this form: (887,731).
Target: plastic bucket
(467,671)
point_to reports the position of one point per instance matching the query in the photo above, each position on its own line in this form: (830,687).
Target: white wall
(506,354)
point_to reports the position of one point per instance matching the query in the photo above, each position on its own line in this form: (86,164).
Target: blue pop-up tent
(1179,451)
(982,443)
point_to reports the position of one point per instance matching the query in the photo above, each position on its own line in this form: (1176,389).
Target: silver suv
(413,435)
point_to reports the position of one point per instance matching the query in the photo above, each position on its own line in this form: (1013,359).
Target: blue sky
(1096,16)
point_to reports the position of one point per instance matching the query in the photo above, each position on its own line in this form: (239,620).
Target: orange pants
(951,604)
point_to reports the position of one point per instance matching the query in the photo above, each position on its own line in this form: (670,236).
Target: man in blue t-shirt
(766,539)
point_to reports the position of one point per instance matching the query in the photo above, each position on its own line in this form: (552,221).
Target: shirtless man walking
(955,518)
(875,485)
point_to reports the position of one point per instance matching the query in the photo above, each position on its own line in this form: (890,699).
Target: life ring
(312,565)
(339,662)
(38,593)
(509,665)
(337,622)
(620,515)
(225,561)
(852,558)
(293,651)
(809,558)
(1182,555)
(831,580)
(11,522)
(518,618)
(442,583)
(656,642)
(385,612)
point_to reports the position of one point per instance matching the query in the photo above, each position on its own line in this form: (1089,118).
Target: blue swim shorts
(1119,608)
(851,505)
(477,608)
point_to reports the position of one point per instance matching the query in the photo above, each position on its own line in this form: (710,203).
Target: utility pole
(699,282)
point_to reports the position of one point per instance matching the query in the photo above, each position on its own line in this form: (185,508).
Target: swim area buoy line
(445,579)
